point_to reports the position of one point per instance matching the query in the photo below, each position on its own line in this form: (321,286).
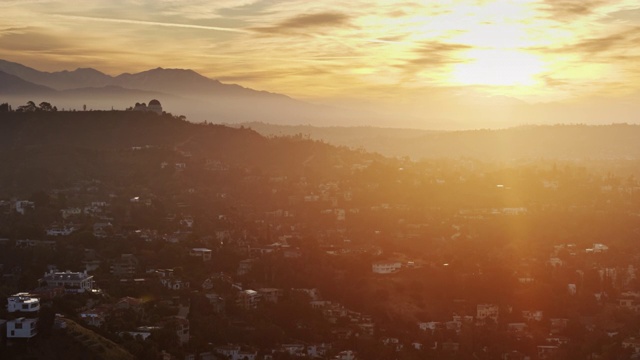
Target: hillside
(566,142)
(69,343)
(49,149)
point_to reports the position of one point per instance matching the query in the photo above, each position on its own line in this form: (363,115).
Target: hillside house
(23,303)
(487,311)
(203,253)
(386,267)
(22,328)
(248,299)
(72,282)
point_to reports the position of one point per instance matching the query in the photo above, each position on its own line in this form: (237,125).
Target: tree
(45,106)
(30,106)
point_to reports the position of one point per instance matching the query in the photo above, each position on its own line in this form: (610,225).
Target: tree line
(30,106)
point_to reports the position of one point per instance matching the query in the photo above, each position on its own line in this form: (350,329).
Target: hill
(567,142)
(72,342)
(46,150)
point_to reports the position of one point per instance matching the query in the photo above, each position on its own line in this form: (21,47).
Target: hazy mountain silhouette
(11,84)
(181,91)
(61,80)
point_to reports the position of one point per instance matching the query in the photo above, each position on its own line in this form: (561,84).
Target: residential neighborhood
(340,255)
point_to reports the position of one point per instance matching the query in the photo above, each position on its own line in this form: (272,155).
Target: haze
(452,64)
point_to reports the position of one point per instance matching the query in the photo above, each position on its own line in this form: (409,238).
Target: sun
(497,67)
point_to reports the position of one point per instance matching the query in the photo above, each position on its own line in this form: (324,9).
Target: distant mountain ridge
(11,84)
(171,81)
(181,91)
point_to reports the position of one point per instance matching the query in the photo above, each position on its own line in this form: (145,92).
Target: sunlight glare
(497,68)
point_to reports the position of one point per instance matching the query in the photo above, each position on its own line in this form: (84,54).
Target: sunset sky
(389,52)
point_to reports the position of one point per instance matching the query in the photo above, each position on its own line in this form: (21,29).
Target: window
(18,326)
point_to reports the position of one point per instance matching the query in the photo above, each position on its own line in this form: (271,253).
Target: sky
(387,54)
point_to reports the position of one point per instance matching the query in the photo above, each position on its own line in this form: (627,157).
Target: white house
(490,311)
(386,267)
(73,282)
(21,206)
(203,253)
(22,328)
(22,302)
(60,231)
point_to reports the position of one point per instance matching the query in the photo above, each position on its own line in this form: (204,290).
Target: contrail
(153,23)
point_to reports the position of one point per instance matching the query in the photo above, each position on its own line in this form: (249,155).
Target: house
(202,253)
(60,231)
(102,230)
(547,351)
(245,266)
(217,302)
(248,299)
(95,317)
(73,282)
(129,303)
(182,329)
(21,206)
(532,315)
(174,283)
(386,267)
(23,303)
(431,326)
(346,355)
(487,311)
(24,243)
(236,352)
(126,265)
(270,294)
(22,328)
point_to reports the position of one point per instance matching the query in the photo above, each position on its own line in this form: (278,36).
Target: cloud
(151,23)
(29,40)
(563,9)
(307,21)
(603,46)
(436,53)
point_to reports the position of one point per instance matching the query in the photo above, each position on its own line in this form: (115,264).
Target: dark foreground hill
(45,150)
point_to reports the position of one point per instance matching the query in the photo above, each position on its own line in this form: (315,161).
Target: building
(248,299)
(154,106)
(487,311)
(72,282)
(23,303)
(203,253)
(236,352)
(386,267)
(22,328)
(271,295)
(125,266)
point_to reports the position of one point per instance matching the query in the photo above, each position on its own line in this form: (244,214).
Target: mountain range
(181,92)
(199,98)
